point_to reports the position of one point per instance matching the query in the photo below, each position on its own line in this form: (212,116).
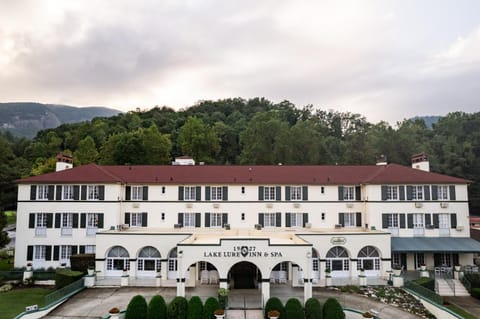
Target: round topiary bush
(332,309)
(294,309)
(274,304)
(211,304)
(313,309)
(137,308)
(475,293)
(177,309)
(195,308)
(157,308)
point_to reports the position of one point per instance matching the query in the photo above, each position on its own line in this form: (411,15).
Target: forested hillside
(255,131)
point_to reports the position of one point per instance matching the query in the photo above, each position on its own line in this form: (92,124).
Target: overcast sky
(387,60)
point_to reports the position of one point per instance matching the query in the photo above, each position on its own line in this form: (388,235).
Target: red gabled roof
(245,174)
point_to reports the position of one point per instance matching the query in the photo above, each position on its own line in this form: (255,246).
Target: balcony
(41,231)
(66,231)
(91,231)
(418,232)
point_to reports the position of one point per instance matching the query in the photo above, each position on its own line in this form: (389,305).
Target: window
(42,192)
(295,192)
(442,192)
(149,259)
(188,219)
(296,219)
(348,192)
(39,252)
(392,192)
(135,219)
(417,192)
(93,192)
(419,260)
(337,259)
(269,193)
(92,223)
(67,192)
(349,220)
(418,221)
(392,221)
(66,224)
(189,193)
(90,249)
(216,193)
(395,259)
(118,259)
(41,224)
(368,258)
(269,220)
(136,193)
(216,220)
(65,253)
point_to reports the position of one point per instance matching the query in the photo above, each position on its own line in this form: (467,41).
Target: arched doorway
(117,261)
(338,262)
(172,264)
(148,262)
(369,260)
(244,275)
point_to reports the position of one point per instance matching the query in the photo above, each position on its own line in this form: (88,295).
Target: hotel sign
(242,251)
(338,240)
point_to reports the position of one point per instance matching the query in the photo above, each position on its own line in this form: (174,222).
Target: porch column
(180,287)
(223,283)
(163,269)
(265,290)
(180,275)
(307,289)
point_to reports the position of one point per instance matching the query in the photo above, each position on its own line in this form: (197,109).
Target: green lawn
(461,312)
(11,217)
(14,302)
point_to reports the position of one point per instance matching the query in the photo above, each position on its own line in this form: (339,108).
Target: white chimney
(64,161)
(420,161)
(382,160)
(183,160)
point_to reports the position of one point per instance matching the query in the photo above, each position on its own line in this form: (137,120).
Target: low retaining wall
(437,310)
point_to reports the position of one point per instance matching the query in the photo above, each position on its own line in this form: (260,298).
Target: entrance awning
(435,244)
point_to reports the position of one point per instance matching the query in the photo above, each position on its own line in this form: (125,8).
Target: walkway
(470,304)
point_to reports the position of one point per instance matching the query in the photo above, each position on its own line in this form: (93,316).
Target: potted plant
(423,267)
(397,269)
(219,313)
(458,267)
(125,272)
(328,272)
(114,313)
(362,271)
(91,270)
(273,314)
(29,266)
(223,297)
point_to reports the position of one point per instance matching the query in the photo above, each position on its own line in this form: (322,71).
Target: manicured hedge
(428,283)
(137,308)
(475,293)
(65,276)
(80,262)
(195,308)
(211,304)
(177,309)
(313,309)
(157,308)
(274,304)
(332,309)
(294,309)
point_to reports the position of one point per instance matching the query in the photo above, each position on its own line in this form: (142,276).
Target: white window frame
(419,259)
(90,249)
(418,220)
(350,220)
(135,219)
(67,192)
(395,258)
(269,220)
(93,192)
(216,220)
(190,193)
(66,224)
(417,192)
(136,192)
(442,192)
(296,193)
(216,193)
(189,220)
(42,192)
(296,219)
(92,223)
(65,253)
(348,193)
(40,224)
(269,193)
(392,192)
(39,252)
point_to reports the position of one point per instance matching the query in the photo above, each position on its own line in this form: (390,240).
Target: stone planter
(397,272)
(362,280)
(423,267)
(90,271)
(328,280)
(114,313)
(458,267)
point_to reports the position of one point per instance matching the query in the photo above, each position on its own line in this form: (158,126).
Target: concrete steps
(443,289)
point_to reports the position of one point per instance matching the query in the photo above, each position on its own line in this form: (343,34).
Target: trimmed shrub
(294,309)
(80,262)
(211,304)
(274,304)
(475,293)
(332,309)
(157,308)
(428,283)
(137,308)
(313,309)
(177,309)
(195,308)
(65,276)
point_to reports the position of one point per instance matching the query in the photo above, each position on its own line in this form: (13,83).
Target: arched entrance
(244,275)
(369,260)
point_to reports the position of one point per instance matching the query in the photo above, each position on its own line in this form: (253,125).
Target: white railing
(41,231)
(66,231)
(91,231)
(444,232)
(419,232)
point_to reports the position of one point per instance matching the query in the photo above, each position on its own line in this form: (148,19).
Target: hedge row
(294,310)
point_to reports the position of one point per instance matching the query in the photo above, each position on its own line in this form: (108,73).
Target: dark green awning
(435,244)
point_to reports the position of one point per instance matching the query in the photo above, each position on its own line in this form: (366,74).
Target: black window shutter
(33,192)
(49,220)
(260,192)
(384,220)
(84,192)
(100,220)
(287,192)
(198,217)
(436,222)
(428,219)
(340,192)
(402,220)
(29,252)
(48,252)
(305,192)
(305,219)
(403,260)
(409,192)
(426,192)
(127,218)
(207,219)
(260,219)
(341,219)
(180,192)
(58,217)
(384,192)
(75,221)
(74,249)
(410,220)
(452,192)
(359,219)
(278,217)
(453,220)
(225,193)
(56,252)
(76,192)
(401,191)
(145,192)
(358,193)
(207,192)
(31,220)
(51,192)
(287,220)
(144,219)
(180,218)
(81,249)
(278,193)
(58,195)
(455,259)
(83,220)
(128,191)
(224,219)
(101,192)
(198,193)
(434,192)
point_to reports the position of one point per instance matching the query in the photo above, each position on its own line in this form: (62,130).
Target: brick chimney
(64,161)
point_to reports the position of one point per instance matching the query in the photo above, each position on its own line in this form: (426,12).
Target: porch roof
(435,244)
